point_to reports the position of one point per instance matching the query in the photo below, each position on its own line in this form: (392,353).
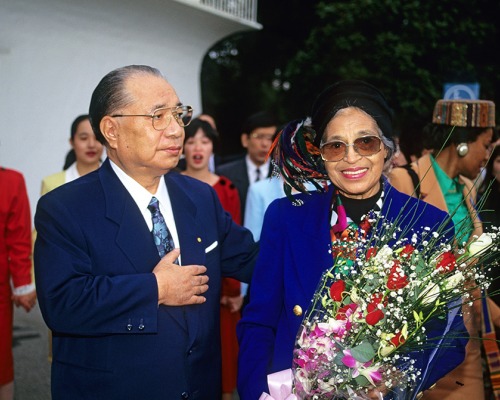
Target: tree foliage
(409,49)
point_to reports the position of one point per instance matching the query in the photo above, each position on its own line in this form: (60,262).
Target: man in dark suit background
(127,320)
(256,137)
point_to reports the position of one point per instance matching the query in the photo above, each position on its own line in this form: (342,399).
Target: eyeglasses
(336,150)
(161,118)
(262,136)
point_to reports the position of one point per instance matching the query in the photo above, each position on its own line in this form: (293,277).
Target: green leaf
(338,359)
(364,352)
(417,318)
(362,381)
(323,301)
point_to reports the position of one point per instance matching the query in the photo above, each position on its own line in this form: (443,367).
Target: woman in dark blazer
(296,240)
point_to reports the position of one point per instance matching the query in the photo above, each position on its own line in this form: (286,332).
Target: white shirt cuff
(25,289)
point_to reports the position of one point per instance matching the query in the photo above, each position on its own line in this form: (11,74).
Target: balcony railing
(243,10)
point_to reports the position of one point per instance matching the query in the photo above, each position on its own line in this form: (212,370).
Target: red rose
(446,262)
(365,225)
(397,278)
(343,311)
(374,315)
(376,298)
(372,251)
(337,289)
(397,340)
(407,250)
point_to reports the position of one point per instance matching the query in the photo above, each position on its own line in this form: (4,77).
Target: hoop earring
(462,149)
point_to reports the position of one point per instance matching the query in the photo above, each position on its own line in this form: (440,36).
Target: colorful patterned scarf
(344,230)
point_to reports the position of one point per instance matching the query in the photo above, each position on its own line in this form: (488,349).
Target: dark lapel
(191,236)
(241,173)
(133,237)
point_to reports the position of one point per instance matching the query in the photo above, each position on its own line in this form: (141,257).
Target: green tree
(409,49)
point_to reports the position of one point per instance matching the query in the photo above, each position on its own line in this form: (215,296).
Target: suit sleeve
(257,329)
(18,235)
(238,249)
(74,298)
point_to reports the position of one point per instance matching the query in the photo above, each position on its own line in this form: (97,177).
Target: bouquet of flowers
(369,317)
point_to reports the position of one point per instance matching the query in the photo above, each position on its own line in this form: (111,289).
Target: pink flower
(346,311)
(371,373)
(349,361)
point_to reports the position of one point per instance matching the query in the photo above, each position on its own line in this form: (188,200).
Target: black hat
(351,93)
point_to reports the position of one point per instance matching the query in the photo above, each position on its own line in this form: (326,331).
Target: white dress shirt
(252,170)
(71,173)
(142,198)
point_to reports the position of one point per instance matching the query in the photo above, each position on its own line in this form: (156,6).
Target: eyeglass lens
(262,136)
(162,117)
(364,146)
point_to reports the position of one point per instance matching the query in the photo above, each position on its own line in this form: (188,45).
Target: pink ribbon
(280,386)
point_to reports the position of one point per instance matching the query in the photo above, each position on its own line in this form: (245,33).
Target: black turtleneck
(356,208)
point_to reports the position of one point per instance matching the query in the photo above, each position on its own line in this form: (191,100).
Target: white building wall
(54,52)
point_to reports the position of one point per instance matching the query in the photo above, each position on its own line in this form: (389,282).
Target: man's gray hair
(110,94)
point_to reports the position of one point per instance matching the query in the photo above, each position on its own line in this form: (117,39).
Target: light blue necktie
(162,237)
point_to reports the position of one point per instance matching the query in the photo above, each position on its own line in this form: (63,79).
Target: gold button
(419,395)
(199,240)
(297,310)
(432,386)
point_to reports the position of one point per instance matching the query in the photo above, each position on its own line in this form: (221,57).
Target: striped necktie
(162,237)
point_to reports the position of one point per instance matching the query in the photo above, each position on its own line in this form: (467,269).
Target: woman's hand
(234,303)
(26,301)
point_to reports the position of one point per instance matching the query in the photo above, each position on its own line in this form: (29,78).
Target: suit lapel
(133,236)
(244,173)
(191,241)
(314,225)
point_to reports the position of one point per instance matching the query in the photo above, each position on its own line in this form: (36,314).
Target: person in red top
(15,268)
(198,147)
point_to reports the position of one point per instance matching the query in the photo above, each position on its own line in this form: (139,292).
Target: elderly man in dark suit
(129,258)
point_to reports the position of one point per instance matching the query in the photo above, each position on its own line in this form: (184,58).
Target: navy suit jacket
(236,172)
(295,251)
(94,257)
